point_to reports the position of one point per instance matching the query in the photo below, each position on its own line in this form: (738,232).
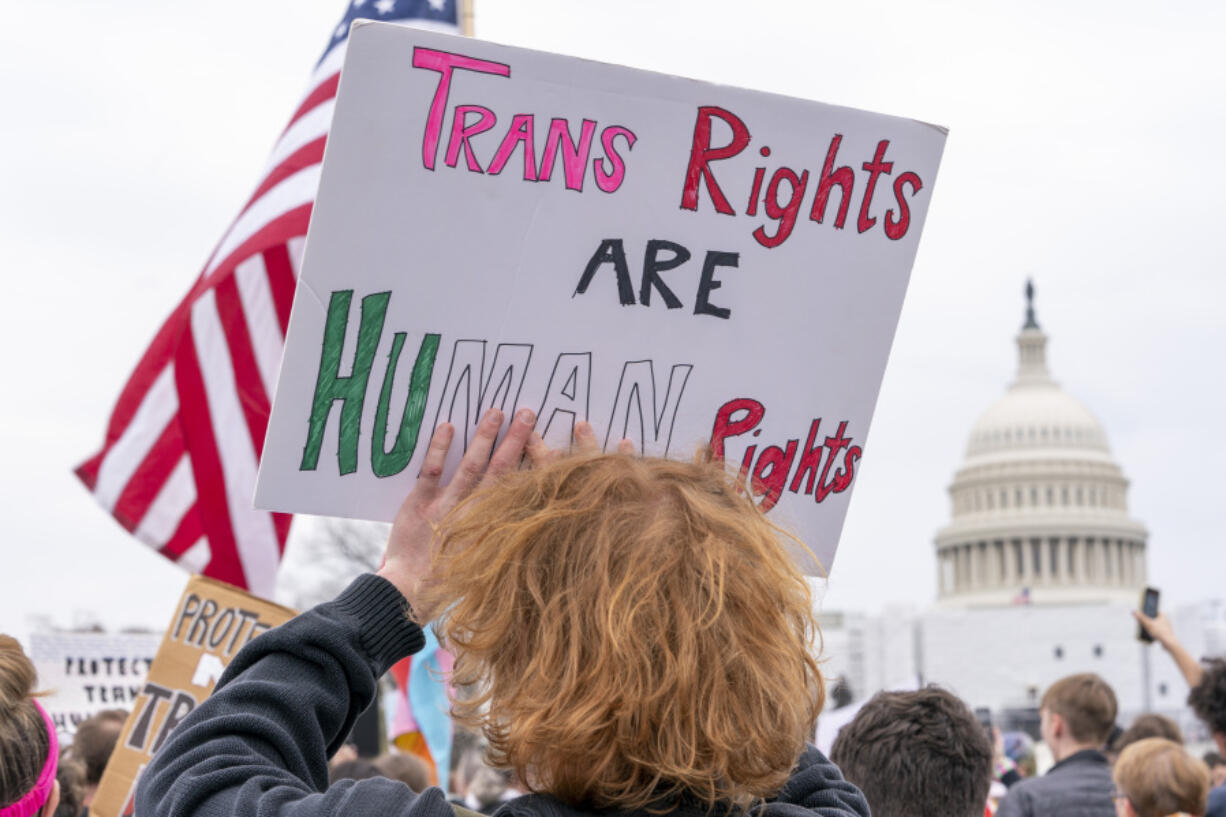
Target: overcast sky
(1084,150)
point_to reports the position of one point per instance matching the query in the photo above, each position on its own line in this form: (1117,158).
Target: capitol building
(1040,507)
(1038,571)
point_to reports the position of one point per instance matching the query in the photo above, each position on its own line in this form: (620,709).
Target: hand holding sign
(407,561)
(585,443)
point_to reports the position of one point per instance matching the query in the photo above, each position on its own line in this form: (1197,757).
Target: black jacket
(1078,786)
(258,747)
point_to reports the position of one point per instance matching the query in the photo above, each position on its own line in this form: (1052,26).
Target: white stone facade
(1039,506)
(1039,569)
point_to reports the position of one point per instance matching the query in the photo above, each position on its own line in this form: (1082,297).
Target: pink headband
(36,798)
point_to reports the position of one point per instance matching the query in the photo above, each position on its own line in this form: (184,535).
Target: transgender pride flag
(421,725)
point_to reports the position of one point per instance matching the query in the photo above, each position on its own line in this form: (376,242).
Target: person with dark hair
(29,747)
(1208,701)
(1148,725)
(637,633)
(1207,697)
(1076,716)
(1217,768)
(917,754)
(92,746)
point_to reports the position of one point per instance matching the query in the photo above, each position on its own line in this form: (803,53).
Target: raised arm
(1160,628)
(260,744)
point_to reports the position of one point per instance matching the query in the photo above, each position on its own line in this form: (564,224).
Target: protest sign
(679,263)
(212,622)
(85,673)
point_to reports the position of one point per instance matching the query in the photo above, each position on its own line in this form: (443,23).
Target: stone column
(1026,577)
(972,551)
(1062,572)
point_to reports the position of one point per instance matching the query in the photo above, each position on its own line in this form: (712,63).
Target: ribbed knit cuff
(387,632)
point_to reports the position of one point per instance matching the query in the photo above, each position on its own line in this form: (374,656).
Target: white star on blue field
(439,11)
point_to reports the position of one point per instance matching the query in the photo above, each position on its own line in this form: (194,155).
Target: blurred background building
(1037,571)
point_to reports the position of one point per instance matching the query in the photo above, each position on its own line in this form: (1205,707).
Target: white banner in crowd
(88,672)
(677,262)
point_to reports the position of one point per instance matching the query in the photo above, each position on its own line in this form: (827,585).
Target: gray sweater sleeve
(259,745)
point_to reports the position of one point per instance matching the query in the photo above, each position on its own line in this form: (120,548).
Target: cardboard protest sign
(86,673)
(675,261)
(211,624)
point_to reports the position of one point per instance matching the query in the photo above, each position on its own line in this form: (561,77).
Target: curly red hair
(635,631)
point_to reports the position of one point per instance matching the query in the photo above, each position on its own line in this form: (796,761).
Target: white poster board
(675,261)
(86,673)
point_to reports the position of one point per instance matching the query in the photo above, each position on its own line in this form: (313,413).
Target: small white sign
(85,673)
(677,262)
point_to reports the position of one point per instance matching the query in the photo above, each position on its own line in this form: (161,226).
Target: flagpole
(466,17)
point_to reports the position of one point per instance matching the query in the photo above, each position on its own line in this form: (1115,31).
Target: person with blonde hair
(1156,777)
(29,748)
(638,636)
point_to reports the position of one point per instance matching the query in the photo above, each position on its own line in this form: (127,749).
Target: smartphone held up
(1149,608)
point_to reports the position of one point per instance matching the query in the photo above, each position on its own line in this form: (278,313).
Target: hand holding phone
(1147,617)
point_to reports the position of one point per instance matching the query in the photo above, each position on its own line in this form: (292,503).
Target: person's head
(71,777)
(636,629)
(1149,725)
(1208,700)
(29,749)
(1217,768)
(408,769)
(1077,712)
(917,753)
(1019,747)
(94,741)
(1156,777)
(357,769)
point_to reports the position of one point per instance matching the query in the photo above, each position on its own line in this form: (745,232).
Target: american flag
(178,465)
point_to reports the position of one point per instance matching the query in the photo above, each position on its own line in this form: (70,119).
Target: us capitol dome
(1040,508)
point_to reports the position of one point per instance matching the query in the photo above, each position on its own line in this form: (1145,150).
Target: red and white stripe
(183,444)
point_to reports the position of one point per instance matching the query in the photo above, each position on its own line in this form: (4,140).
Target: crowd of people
(639,641)
(34,768)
